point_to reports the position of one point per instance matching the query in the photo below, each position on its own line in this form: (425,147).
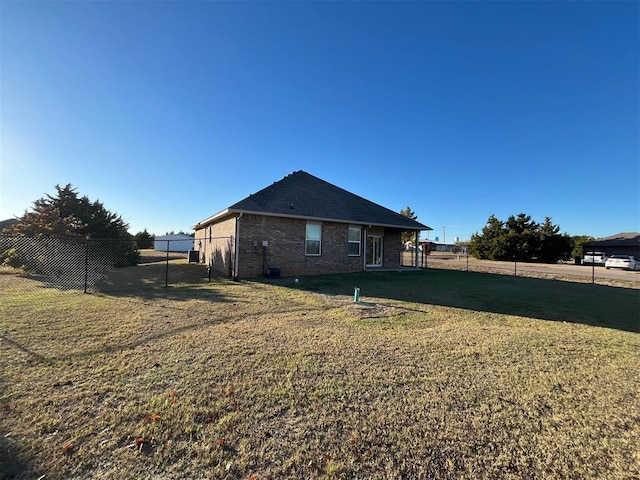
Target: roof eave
(229,212)
(212,218)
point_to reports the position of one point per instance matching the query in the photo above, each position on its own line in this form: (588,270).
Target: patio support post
(236,260)
(417,258)
(364,249)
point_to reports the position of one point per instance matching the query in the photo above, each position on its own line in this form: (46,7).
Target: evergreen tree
(408,236)
(66,214)
(490,245)
(576,244)
(45,221)
(553,245)
(521,239)
(144,239)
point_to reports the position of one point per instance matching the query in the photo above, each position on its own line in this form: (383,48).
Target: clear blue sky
(168,112)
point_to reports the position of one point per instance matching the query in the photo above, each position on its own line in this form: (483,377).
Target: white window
(354,241)
(313,240)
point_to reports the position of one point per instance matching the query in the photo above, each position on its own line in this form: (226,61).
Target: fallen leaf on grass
(154,417)
(6,406)
(221,442)
(172,393)
(67,448)
(143,445)
(229,390)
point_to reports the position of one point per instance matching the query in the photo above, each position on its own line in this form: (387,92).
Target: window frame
(354,242)
(307,239)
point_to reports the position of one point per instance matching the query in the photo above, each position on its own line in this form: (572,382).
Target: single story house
(302,225)
(626,243)
(173,243)
(437,246)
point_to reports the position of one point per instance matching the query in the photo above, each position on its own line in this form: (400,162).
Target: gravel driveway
(560,271)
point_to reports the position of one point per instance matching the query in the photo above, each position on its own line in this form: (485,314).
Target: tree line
(520,238)
(67,215)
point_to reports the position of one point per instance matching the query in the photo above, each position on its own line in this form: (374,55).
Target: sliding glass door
(374,250)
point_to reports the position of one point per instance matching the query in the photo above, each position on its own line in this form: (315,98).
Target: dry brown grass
(247,380)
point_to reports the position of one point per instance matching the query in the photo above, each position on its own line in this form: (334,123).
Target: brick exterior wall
(391,248)
(285,248)
(216,245)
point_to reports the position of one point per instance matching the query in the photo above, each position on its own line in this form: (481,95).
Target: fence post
(166,270)
(86,263)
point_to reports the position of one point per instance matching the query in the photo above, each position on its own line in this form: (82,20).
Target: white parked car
(627,262)
(595,258)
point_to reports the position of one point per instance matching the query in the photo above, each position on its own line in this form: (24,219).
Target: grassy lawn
(435,374)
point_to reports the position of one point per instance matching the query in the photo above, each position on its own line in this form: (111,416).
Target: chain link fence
(564,271)
(92,265)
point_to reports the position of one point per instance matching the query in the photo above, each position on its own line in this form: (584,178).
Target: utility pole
(444,234)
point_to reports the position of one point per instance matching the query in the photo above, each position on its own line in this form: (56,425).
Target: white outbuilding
(173,243)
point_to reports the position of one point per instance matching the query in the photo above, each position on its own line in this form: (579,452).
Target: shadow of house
(534,298)
(14,462)
(221,256)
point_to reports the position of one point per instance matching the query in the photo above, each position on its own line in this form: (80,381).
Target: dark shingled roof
(302,195)
(625,239)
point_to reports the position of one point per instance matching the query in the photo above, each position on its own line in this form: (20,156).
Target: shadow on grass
(13,465)
(588,304)
(174,280)
(178,281)
(24,349)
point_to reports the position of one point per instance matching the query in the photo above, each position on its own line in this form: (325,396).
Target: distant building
(436,246)
(625,243)
(173,243)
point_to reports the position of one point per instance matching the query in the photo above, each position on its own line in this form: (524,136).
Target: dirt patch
(504,268)
(362,309)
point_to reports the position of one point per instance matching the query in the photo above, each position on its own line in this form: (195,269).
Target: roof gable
(302,195)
